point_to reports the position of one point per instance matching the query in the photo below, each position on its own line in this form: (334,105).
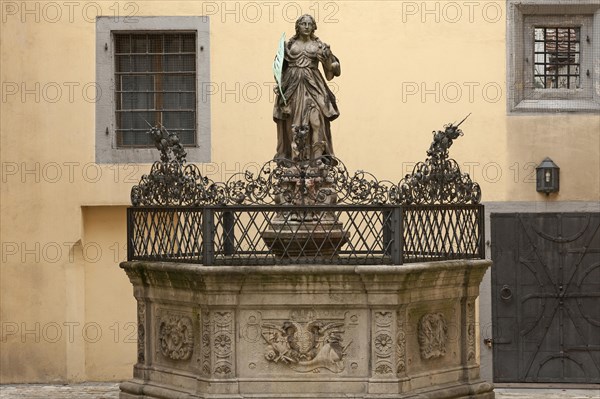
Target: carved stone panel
(432,335)
(302,341)
(175,337)
(471,340)
(382,344)
(141,328)
(218,343)
(305,343)
(205,343)
(401,341)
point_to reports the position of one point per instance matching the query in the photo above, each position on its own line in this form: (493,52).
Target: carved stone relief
(306,343)
(383,368)
(141,342)
(432,335)
(383,343)
(205,352)
(401,341)
(222,343)
(471,349)
(175,336)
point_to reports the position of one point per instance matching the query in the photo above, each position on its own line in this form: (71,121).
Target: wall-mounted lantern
(547,174)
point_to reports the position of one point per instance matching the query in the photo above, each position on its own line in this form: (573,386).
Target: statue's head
(303,19)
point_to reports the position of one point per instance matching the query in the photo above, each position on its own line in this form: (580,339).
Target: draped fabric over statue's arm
(331,65)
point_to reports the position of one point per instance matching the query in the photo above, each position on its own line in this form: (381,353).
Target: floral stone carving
(306,345)
(175,337)
(383,343)
(433,334)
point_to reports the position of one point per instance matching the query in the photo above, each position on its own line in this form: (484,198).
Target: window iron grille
(557,57)
(155,84)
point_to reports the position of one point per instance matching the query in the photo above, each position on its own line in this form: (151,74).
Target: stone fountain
(305,281)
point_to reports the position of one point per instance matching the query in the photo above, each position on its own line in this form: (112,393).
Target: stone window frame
(106,140)
(522,17)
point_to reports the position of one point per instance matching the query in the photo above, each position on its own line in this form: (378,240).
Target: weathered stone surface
(313,331)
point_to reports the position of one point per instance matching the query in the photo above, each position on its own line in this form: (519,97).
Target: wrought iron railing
(338,234)
(310,211)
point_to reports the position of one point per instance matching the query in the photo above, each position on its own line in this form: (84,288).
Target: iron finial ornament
(439,179)
(171,181)
(168,144)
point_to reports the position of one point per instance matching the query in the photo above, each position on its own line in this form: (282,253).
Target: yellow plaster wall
(111,339)
(385,47)
(573,143)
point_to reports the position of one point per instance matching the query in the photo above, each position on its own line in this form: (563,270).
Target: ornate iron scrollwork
(304,181)
(171,181)
(439,179)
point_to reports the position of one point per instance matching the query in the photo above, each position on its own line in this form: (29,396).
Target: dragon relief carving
(306,344)
(433,334)
(175,336)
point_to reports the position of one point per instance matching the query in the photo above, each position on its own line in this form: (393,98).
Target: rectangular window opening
(155,84)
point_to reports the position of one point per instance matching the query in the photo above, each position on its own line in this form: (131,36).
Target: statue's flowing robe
(304,89)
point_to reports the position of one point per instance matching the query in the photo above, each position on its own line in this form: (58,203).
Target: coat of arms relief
(305,343)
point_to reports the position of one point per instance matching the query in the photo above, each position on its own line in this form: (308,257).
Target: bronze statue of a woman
(307,106)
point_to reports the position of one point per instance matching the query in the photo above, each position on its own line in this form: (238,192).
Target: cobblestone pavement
(111,391)
(518,393)
(76,391)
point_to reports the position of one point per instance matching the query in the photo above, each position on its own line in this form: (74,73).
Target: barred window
(557,62)
(155,84)
(551,50)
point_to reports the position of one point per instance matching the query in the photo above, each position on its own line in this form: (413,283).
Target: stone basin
(307,331)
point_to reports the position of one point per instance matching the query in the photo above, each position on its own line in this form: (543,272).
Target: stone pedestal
(287,238)
(305,331)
